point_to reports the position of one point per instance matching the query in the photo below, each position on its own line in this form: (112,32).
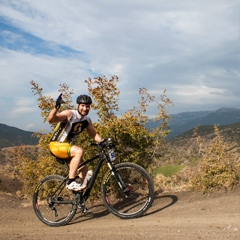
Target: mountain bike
(127,190)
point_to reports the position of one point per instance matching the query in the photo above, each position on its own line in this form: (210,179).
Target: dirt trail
(172,216)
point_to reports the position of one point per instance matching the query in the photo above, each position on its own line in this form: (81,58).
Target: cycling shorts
(60,150)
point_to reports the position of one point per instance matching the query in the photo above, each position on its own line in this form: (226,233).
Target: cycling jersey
(67,131)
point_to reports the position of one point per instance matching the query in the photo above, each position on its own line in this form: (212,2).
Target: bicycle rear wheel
(53,204)
(136,197)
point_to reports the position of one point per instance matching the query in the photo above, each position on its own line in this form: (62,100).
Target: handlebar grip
(93,144)
(103,143)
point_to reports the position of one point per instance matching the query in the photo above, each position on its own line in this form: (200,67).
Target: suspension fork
(117,176)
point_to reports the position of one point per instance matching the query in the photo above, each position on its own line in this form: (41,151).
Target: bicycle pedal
(83,208)
(86,210)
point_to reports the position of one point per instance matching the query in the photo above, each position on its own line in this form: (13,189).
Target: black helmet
(84,99)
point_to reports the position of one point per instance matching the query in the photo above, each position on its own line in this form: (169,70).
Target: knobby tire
(138,195)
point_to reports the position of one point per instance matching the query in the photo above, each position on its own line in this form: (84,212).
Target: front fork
(117,176)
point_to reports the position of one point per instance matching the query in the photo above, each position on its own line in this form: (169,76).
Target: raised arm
(55,117)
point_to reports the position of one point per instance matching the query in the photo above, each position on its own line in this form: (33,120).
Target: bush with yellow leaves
(219,169)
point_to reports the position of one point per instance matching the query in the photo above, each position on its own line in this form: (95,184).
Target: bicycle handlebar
(105,143)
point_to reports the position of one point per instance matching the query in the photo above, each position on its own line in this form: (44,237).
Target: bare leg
(77,154)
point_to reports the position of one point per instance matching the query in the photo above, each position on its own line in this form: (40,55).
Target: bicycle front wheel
(136,196)
(53,204)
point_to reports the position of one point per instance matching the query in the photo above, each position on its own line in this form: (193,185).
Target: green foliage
(169,171)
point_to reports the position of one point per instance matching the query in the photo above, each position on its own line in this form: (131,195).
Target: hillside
(182,122)
(12,136)
(230,134)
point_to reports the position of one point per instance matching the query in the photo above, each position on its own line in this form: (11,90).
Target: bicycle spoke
(135,198)
(53,203)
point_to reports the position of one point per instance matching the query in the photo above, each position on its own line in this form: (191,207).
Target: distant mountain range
(185,121)
(12,136)
(180,123)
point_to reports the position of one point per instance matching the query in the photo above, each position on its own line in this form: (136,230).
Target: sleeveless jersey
(67,131)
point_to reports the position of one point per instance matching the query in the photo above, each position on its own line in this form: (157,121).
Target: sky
(188,47)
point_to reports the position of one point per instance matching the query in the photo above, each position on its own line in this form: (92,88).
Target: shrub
(134,142)
(218,169)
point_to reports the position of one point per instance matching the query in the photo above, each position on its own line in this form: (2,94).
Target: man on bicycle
(70,124)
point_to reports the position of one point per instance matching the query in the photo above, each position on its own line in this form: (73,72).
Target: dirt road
(172,216)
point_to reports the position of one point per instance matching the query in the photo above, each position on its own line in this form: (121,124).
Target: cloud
(29,127)
(22,110)
(189,47)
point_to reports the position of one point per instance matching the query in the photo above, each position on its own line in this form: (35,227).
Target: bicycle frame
(102,156)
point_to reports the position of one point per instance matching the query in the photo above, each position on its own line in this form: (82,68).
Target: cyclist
(70,124)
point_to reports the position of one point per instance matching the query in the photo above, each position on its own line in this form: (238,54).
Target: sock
(78,179)
(70,180)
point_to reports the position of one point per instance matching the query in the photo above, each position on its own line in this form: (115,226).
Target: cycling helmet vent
(84,99)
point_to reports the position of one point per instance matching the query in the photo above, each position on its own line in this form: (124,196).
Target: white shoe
(74,186)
